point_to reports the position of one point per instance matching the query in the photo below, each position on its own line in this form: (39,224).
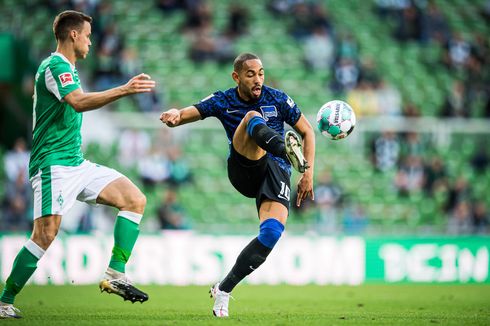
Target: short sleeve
(291,112)
(209,106)
(60,79)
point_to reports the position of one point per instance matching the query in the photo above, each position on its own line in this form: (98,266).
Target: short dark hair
(69,20)
(238,63)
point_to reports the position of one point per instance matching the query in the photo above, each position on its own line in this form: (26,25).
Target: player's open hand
(305,188)
(141,83)
(171,117)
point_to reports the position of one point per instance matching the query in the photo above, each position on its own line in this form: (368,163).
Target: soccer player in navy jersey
(261,155)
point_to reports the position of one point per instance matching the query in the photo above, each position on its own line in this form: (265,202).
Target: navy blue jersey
(274,105)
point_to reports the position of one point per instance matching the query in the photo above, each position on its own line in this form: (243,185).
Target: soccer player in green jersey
(58,172)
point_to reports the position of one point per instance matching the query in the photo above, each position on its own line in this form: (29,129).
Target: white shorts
(57,187)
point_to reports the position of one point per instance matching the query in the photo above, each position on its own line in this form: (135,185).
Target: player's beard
(248,94)
(81,54)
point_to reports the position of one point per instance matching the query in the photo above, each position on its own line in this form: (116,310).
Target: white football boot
(294,151)
(221,300)
(9,311)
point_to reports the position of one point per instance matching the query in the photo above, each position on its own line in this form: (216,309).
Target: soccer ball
(336,119)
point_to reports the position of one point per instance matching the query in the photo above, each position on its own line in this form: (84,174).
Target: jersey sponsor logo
(268,111)
(66,78)
(290,102)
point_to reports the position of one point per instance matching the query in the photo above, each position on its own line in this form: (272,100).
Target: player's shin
(25,265)
(267,138)
(254,254)
(126,231)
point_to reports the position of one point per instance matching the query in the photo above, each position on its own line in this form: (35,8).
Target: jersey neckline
(64,58)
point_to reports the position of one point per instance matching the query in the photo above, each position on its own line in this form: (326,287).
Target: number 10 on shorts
(285,192)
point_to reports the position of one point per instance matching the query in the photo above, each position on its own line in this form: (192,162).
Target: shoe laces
(123,280)
(222,294)
(111,275)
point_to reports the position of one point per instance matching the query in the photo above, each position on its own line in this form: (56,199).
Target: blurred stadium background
(411,185)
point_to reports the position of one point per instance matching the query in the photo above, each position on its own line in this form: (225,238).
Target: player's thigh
(243,143)
(246,175)
(123,194)
(55,189)
(273,197)
(104,185)
(273,209)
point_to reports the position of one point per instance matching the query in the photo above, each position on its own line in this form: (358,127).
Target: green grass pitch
(261,305)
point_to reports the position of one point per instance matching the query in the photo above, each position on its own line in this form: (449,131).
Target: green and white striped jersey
(56,125)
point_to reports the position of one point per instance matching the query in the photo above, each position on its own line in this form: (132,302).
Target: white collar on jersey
(64,58)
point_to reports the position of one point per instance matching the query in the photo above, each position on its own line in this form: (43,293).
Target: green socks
(126,232)
(24,266)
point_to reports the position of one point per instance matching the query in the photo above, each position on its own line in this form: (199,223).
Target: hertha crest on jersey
(268,111)
(66,79)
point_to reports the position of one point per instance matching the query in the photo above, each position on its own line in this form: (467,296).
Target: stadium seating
(412,68)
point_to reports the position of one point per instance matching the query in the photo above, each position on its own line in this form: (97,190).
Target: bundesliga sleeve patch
(66,79)
(290,102)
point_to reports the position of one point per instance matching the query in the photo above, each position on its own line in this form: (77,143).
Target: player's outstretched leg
(289,148)
(264,136)
(126,232)
(251,257)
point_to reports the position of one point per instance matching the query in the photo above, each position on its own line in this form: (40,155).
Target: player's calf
(265,137)
(251,257)
(254,254)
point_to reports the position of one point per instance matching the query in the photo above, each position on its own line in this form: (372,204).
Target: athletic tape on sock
(34,249)
(252,123)
(270,232)
(133,217)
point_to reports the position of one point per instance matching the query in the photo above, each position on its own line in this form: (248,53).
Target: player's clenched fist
(141,83)
(171,117)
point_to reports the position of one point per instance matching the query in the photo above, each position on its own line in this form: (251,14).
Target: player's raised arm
(82,102)
(175,117)
(305,184)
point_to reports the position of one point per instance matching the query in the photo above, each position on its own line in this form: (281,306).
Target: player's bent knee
(136,202)
(250,114)
(270,232)
(142,200)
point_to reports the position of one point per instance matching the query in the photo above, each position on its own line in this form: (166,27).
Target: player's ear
(73,34)
(234,75)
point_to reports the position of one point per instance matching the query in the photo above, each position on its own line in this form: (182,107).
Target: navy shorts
(262,179)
